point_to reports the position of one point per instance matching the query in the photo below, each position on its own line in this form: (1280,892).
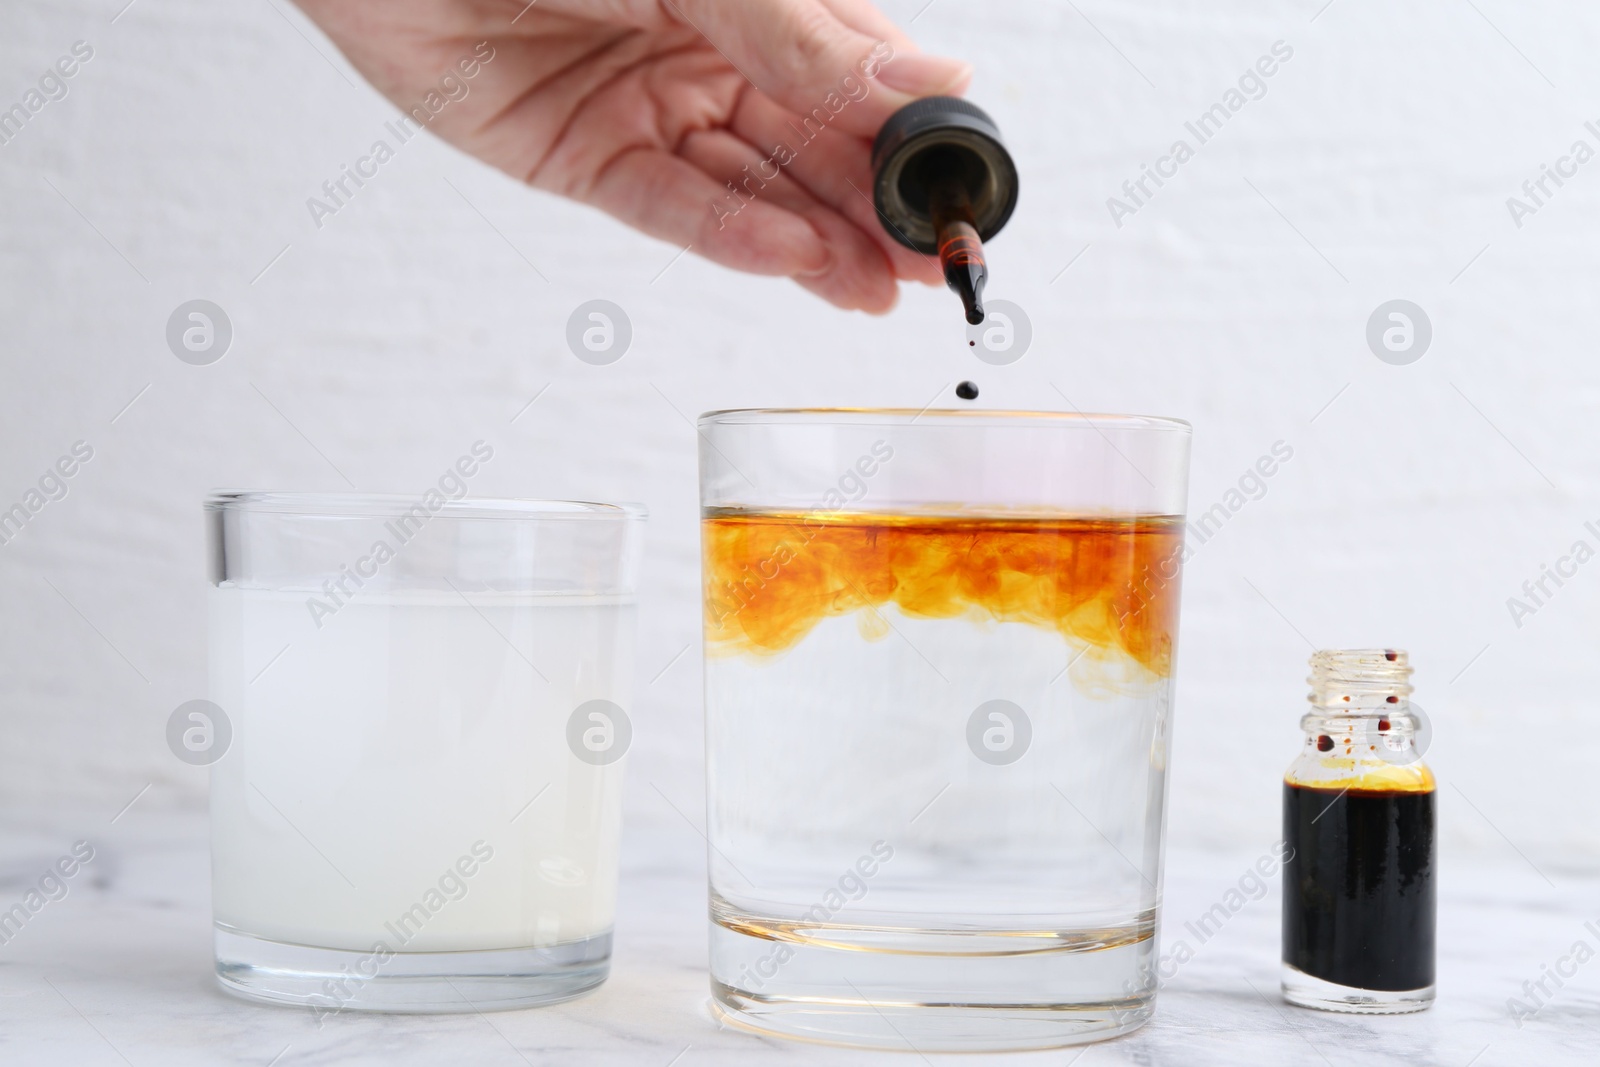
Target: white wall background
(1415,504)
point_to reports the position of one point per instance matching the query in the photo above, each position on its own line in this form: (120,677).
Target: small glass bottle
(1358,823)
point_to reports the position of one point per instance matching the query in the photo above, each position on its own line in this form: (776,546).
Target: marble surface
(119,972)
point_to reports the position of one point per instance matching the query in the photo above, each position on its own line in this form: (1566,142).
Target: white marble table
(119,972)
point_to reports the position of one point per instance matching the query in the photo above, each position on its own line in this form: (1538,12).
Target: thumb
(799,53)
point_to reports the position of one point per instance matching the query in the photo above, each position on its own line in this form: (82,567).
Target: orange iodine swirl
(1109,584)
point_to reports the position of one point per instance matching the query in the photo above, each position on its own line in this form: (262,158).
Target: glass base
(926,1027)
(930,990)
(1303,990)
(328,981)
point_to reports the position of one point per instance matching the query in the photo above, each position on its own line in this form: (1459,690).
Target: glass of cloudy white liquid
(417,723)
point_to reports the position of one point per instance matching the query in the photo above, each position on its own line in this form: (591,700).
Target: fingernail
(823,258)
(921,74)
(824,264)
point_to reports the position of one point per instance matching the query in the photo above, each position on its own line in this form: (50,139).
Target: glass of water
(417,720)
(939,663)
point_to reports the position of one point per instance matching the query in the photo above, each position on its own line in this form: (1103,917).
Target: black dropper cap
(935,140)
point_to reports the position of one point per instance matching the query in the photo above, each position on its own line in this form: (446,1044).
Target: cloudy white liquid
(377,759)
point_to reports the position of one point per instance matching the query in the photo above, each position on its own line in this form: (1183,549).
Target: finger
(860,275)
(835,168)
(802,55)
(865,17)
(669,198)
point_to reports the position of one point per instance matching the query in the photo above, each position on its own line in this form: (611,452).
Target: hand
(646,109)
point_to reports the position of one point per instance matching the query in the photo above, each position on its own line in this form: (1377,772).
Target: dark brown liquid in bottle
(960,249)
(1358,888)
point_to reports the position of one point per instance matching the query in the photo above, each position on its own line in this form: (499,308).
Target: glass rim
(935,416)
(336,505)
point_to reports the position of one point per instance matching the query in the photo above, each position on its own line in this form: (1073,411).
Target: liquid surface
(771,577)
(1358,890)
(1366,773)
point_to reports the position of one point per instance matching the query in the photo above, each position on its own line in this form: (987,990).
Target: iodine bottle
(1359,824)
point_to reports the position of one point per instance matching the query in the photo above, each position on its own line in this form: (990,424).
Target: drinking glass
(939,662)
(418,712)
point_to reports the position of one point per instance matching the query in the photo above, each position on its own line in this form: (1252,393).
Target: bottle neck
(1397,725)
(1360,727)
(1359,682)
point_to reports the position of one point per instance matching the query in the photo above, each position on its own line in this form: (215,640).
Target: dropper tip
(975,315)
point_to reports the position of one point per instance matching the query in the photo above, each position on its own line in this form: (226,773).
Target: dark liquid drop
(967,391)
(1358,889)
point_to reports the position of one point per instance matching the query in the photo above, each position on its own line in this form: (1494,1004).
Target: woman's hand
(646,109)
